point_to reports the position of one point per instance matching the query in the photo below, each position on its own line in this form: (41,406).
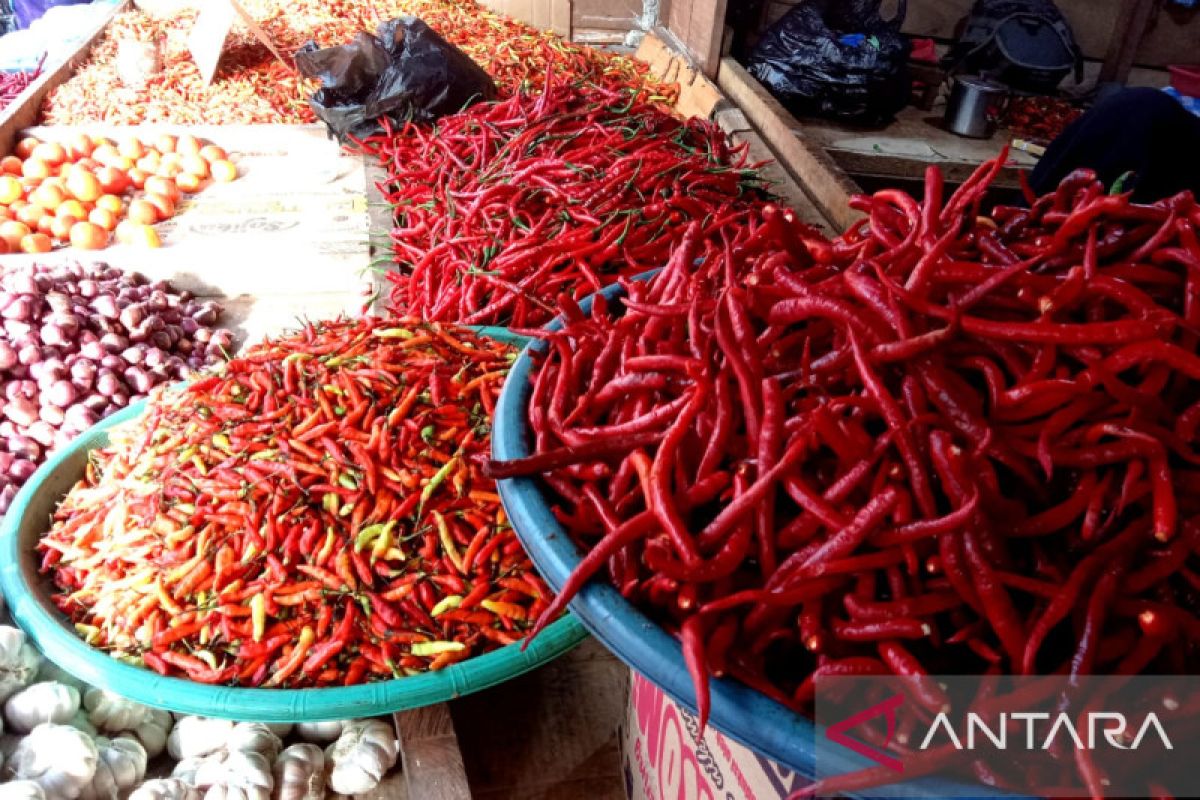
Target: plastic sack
(27,11)
(836,58)
(1026,44)
(406,71)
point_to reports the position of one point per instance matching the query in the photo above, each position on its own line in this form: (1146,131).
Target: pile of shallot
(80,342)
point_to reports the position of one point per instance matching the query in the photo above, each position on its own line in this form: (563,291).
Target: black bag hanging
(405,71)
(1026,44)
(836,58)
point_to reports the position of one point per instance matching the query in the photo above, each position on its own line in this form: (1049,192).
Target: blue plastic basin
(743,714)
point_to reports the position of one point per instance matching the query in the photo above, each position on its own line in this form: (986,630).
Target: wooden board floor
(903,149)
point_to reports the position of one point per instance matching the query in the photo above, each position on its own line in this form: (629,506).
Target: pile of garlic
(63,740)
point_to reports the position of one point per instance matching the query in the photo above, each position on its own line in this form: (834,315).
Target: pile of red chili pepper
(252,86)
(1039,118)
(13,83)
(310,516)
(945,443)
(503,206)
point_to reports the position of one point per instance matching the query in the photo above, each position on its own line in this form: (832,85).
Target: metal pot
(975,106)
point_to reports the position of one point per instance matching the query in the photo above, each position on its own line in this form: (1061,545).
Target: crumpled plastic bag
(836,58)
(406,71)
(26,11)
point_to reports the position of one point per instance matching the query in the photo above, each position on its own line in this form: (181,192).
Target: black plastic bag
(836,58)
(406,71)
(1027,44)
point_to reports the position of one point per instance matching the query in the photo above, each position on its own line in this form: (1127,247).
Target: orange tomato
(35,168)
(144,236)
(5,214)
(60,227)
(223,171)
(122,163)
(13,232)
(48,196)
(80,146)
(138,177)
(3,247)
(168,170)
(148,163)
(62,169)
(31,215)
(10,165)
(88,163)
(36,243)
(50,152)
(25,147)
(110,202)
(112,180)
(10,189)
(45,224)
(84,186)
(171,158)
(211,153)
(187,145)
(195,165)
(70,208)
(88,236)
(163,205)
(105,154)
(157,184)
(123,231)
(104,218)
(165,143)
(188,182)
(132,148)
(142,211)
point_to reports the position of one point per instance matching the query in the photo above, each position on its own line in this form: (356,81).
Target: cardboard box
(662,759)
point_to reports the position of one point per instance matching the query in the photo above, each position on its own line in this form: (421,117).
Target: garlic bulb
(362,755)
(254,737)
(41,702)
(165,789)
(22,790)
(320,731)
(111,712)
(153,730)
(121,766)
(19,661)
(198,736)
(300,773)
(60,758)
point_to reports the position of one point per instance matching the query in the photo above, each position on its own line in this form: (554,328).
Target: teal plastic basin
(28,594)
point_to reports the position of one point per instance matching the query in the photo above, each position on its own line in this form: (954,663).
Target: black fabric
(1024,43)
(806,62)
(1142,131)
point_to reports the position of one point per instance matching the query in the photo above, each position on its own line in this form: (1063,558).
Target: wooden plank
(822,179)
(550,734)
(907,145)
(698,96)
(735,124)
(25,112)
(277,229)
(699,24)
(1127,35)
(432,762)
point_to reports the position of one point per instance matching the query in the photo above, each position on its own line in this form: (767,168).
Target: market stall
(642,361)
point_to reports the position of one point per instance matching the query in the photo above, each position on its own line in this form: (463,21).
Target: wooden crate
(24,112)
(287,240)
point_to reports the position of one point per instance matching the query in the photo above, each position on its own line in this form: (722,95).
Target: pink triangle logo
(837,732)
